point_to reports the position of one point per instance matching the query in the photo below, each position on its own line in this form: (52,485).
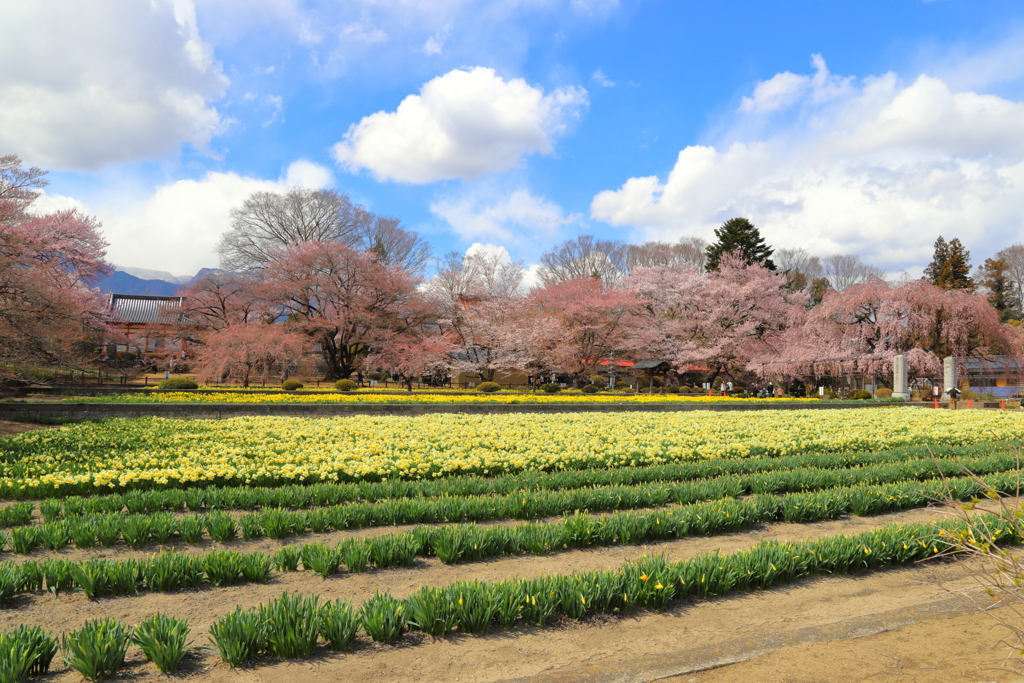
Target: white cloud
(516,218)
(435,43)
(90,84)
(598,8)
(305,173)
(877,167)
(464,124)
(783,90)
(602,80)
(489,249)
(177,226)
(342,35)
(531,272)
(276,106)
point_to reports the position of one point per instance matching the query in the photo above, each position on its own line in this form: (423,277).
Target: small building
(144,324)
(1001,376)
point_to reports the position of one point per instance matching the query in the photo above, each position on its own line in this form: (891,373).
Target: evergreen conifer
(740,236)
(951,266)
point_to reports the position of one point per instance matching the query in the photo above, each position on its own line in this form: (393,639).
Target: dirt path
(597,643)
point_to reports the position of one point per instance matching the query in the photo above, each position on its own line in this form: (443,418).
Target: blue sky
(843,127)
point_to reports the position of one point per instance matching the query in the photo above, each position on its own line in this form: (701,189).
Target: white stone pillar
(899,378)
(949,374)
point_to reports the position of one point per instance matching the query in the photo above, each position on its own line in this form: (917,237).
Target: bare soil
(8,428)
(955,649)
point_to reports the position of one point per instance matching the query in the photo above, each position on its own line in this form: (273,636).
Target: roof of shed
(650,364)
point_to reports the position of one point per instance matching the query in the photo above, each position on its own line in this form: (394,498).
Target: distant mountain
(122,282)
(127,280)
(147,274)
(203,273)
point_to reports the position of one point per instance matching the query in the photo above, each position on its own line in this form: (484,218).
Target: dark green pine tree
(738,235)
(933,273)
(993,276)
(951,266)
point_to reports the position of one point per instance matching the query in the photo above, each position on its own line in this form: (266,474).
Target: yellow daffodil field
(272,450)
(209,504)
(511,398)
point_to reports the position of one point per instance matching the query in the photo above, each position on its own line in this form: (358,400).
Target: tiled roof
(139,309)
(992,365)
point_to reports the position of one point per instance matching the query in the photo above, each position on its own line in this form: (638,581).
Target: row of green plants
(168,571)
(323,495)
(291,626)
(96,650)
(163,572)
(138,530)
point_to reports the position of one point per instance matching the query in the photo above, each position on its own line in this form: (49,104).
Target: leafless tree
(476,275)
(268,221)
(798,261)
(392,244)
(585,257)
(1014,258)
(847,270)
(688,251)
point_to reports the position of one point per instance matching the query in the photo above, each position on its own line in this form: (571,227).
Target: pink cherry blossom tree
(343,300)
(47,265)
(579,323)
(481,304)
(720,320)
(861,328)
(250,352)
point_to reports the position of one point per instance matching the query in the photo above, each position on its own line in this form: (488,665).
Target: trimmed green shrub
(590,389)
(178,384)
(488,387)
(291,385)
(346,385)
(860,395)
(597,380)
(672,389)
(883,393)
(550,388)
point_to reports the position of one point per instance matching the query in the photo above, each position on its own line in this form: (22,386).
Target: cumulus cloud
(464,124)
(89,84)
(177,226)
(785,89)
(305,173)
(877,167)
(519,217)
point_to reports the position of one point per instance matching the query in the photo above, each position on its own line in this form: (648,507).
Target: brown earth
(944,649)
(8,428)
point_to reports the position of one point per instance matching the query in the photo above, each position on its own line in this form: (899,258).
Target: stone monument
(949,374)
(899,378)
